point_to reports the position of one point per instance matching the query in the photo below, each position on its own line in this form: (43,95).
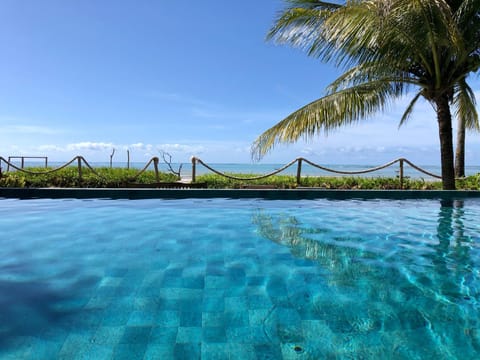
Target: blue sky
(187,77)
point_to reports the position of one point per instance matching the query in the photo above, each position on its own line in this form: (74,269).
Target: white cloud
(139,146)
(92,146)
(98,150)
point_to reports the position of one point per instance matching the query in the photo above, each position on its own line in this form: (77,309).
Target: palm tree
(469,27)
(465,120)
(387,48)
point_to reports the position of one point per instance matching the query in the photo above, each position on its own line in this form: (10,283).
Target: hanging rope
(91,168)
(418,168)
(251,178)
(39,172)
(358,172)
(351,172)
(155,161)
(143,170)
(76,158)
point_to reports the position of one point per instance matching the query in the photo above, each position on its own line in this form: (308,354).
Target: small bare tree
(167,159)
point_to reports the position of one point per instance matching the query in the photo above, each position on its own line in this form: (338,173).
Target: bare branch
(167,159)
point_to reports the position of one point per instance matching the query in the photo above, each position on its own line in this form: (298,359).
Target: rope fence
(22,160)
(81,164)
(300,161)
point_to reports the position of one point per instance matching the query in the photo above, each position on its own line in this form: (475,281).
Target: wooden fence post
(79,164)
(299,171)
(155,165)
(194,169)
(400,174)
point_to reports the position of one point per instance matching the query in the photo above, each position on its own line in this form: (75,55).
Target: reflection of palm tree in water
(454,275)
(373,295)
(346,264)
(452,260)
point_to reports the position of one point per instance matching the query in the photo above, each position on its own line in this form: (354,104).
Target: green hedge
(68,177)
(378,183)
(118,177)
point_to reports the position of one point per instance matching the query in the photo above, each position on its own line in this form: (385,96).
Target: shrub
(348,182)
(119,177)
(68,177)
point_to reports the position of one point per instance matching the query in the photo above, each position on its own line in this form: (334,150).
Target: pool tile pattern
(228,292)
(180,318)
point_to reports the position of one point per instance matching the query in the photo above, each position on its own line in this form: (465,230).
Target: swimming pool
(239,278)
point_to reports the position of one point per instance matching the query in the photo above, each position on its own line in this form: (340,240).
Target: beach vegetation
(215,181)
(120,178)
(68,177)
(388,49)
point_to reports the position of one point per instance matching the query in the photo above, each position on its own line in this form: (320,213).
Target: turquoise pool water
(239,279)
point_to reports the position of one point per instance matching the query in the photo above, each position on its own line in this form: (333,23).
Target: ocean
(260,168)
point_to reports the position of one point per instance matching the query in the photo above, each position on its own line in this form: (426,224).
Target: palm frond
(298,26)
(352,35)
(467,11)
(326,114)
(374,71)
(327,30)
(313,4)
(408,112)
(465,106)
(467,18)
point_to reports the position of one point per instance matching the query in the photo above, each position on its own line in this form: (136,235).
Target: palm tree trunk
(460,151)
(444,118)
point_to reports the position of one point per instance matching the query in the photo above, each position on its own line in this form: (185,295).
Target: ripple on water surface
(247,279)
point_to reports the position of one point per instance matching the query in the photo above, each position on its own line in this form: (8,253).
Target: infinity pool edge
(273,194)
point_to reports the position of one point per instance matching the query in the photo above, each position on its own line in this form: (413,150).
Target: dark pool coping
(272,194)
